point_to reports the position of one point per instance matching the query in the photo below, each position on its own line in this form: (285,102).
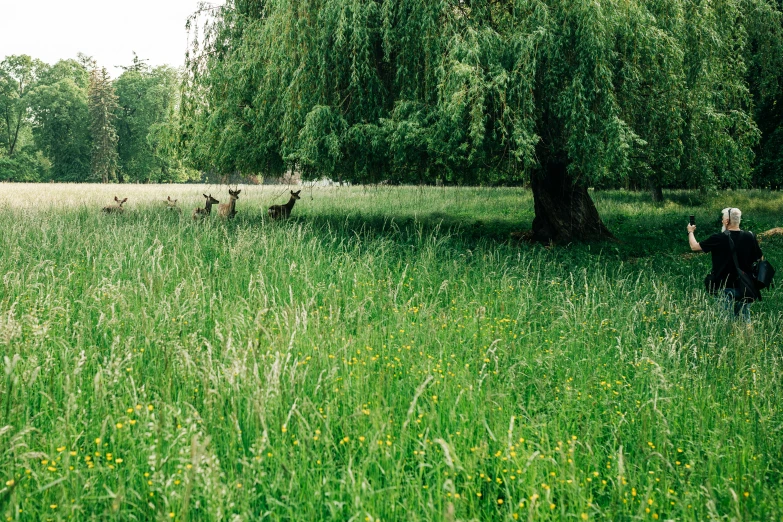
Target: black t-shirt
(746,247)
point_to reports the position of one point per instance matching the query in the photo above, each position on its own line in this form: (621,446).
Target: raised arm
(695,246)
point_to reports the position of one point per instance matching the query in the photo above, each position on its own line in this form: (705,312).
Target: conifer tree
(103,107)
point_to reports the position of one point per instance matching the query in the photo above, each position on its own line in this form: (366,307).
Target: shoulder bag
(763,272)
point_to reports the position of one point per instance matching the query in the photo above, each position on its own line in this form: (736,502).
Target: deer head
(171,204)
(207,210)
(117,206)
(228,210)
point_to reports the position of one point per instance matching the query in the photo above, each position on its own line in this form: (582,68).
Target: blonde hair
(733,214)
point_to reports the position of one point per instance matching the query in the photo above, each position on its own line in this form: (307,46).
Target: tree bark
(657,192)
(564,210)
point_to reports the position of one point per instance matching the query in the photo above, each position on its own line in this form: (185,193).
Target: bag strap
(734,253)
(725,263)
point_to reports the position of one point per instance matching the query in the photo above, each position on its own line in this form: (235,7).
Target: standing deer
(171,204)
(116,207)
(283,211)
(226,210)
(207,210)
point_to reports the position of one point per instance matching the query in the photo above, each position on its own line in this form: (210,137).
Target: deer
(227,210)
(171,204)
(283,211)
(116,207)
(199,213)
(778,231)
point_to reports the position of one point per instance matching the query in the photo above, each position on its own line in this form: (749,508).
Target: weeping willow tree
(764,56)
(562,94)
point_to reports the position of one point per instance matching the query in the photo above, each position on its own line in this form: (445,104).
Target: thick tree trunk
(657,192)
(564,210)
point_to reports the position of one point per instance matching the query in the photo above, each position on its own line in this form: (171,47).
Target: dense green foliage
(147,124)
(385,354)
(61,121)
(765,73)
(47,132)
(641,94)
(654,93)
(18,75)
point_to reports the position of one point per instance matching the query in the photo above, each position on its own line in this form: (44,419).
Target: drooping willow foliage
(480,91)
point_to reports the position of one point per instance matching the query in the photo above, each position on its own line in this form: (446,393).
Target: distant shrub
(21,167)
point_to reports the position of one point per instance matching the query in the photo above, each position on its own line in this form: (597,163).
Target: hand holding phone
(693,220)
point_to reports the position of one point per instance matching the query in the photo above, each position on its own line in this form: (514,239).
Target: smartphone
(693,220)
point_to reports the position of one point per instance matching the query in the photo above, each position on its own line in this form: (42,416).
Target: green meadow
(387,353)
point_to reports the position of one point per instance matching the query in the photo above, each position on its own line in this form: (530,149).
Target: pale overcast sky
(107,30)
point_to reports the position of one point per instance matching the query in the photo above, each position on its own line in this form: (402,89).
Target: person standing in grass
(722,280)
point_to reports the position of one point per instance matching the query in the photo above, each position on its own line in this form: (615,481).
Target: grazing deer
(171,204)
(772,232)
(116,207)
(227,210)
(207,210)
(283,211)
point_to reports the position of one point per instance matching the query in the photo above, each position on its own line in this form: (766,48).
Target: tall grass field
(387,353)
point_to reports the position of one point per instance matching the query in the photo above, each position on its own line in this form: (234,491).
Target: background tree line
(71,122)
(559,94)
(562,95)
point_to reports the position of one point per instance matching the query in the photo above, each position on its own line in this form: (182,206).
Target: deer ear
(116,199)
(124,200)
(205,195)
